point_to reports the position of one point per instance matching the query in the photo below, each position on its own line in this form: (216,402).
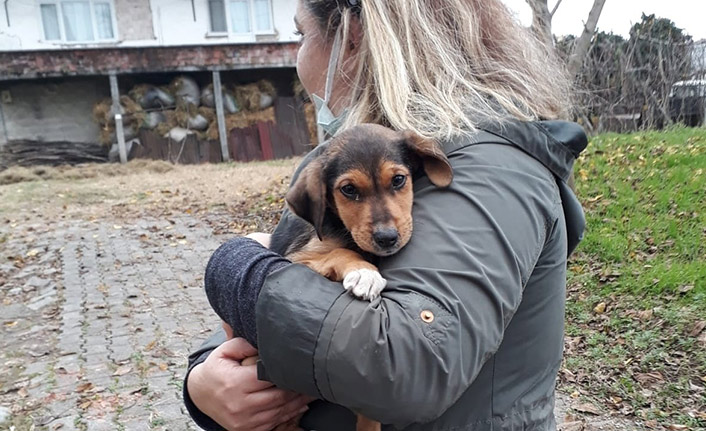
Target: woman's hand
(230,393)
(262,238)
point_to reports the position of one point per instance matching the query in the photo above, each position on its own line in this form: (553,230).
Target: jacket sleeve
(196,358)
(408,356)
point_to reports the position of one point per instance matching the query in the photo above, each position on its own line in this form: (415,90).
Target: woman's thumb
(236,349)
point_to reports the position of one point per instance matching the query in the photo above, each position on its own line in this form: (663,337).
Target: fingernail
(303,409)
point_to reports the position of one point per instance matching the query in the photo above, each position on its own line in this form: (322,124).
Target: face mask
(324,116)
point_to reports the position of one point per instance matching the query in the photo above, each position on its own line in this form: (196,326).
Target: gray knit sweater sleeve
(234,275)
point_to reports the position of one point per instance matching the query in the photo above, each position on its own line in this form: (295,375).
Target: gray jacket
(468,334)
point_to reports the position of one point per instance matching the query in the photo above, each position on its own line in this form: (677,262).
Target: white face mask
(324,116)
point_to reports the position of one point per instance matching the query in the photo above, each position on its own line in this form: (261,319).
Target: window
(77,20)
(241,16)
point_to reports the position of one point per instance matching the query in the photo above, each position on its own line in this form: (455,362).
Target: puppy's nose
(385,238)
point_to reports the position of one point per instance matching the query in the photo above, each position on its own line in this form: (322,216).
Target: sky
(619,15)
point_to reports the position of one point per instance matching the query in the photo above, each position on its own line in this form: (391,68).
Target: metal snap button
(427,316)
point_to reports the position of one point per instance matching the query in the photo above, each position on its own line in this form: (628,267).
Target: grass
(644,260)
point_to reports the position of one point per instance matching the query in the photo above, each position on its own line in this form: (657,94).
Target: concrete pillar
(220,115)
(115,94)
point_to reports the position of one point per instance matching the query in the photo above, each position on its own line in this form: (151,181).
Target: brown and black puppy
(354,202)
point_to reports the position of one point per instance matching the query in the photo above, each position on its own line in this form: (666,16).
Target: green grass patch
(644,260)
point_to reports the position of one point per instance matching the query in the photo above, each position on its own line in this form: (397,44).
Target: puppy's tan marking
(329,259)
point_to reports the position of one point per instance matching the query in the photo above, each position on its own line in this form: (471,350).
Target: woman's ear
(434,161)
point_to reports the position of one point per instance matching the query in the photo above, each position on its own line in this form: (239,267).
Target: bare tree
(583,43)
(542,27)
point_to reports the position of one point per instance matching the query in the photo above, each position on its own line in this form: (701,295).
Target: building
(58,57)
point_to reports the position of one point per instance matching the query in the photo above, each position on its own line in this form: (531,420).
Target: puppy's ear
(307,196)
(434,161)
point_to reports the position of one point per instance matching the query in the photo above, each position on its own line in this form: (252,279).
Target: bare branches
(583,43)
(556,6)
(541,21)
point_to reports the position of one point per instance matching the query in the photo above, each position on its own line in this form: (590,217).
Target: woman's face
(313,58)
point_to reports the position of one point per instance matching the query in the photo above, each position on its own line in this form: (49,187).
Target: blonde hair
(442,67)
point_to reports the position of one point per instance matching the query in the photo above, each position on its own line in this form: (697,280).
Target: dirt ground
(100,289)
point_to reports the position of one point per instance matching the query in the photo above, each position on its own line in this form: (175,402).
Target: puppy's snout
(386,237)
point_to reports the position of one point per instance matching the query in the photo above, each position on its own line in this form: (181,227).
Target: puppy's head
(364,178)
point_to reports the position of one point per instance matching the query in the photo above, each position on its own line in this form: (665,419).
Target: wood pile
(31,153)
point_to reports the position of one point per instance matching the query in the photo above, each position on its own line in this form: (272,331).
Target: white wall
(52,111)
(173,24)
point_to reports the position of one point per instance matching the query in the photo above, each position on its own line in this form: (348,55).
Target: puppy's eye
(350,191)
(398,181)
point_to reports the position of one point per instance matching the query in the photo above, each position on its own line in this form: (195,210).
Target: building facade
(57,56)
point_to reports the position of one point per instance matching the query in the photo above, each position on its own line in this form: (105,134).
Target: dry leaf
(587,408)
(697,328)
(572,426)
(645,315)
(163,366)
(121,371)
(686,288)
(600,308)
(675,427)
(22,393)
(83,387)
(649,378)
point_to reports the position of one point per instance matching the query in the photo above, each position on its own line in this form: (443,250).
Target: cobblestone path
(97,322)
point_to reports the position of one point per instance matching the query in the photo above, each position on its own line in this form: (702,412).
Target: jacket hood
(555,144)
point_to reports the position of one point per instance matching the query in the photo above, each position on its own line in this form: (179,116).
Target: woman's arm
(451,292)
(220,393)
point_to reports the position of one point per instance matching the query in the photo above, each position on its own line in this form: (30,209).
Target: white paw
(364,283)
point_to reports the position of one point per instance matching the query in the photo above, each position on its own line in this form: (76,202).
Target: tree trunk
(542,21)
(583,43)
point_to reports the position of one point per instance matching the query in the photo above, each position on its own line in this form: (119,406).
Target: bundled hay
(310,114)
(109,136)
(208,113)
(150,120)
(151,97)
(230,105)
(103,110)
(169,123)
(242,120)
(247,97)
(186,90)
(299,90)
(255,97)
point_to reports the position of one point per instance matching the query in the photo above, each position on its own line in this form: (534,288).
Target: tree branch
(556,6)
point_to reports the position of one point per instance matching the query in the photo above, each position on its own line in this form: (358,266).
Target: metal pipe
(7,13)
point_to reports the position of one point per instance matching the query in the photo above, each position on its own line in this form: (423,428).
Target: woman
(468,334)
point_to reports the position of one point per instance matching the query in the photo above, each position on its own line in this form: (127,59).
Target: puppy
(353,203)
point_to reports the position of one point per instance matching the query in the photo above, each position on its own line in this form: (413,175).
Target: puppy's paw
(364,283)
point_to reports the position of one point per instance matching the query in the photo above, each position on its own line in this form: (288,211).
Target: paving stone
(150,310)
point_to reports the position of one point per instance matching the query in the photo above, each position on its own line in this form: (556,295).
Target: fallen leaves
(697,328)
(587,408)
(121,371)
(649,379)
(600,308)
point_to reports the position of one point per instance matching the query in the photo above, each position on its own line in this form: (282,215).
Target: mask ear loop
(332,64)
